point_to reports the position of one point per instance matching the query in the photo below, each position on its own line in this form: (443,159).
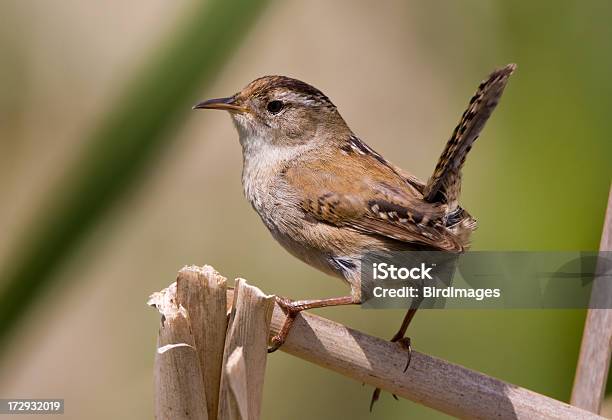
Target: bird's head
(280,111)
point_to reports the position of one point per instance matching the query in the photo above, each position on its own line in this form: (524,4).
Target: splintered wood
(205,366)
(248,330)
(179,385)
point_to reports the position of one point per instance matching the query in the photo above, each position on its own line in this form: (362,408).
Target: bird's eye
(275,107)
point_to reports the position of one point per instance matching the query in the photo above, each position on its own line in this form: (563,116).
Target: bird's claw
(406,344)
(277,342)
(375,397)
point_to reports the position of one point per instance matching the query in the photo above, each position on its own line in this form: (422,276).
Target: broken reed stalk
(594,359)
(180,392)
(435,383)
(248,329)
(202,292)
(236,374)
(205,366)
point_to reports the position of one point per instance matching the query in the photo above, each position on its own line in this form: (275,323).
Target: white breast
(262,181)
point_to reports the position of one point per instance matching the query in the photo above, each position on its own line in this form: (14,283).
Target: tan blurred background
(400,73)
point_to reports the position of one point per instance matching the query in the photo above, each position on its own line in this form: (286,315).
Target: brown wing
(364,192)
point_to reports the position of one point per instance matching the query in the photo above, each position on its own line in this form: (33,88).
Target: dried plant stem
(179,387)
(236,373)
(248,328)
(191,341)
(196,342)
(202,292)
(594,360)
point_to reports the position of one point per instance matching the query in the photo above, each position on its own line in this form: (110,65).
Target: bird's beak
(227,104)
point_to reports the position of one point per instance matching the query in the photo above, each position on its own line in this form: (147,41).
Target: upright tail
(444,185)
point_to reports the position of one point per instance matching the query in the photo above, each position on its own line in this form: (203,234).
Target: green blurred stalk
(133,132)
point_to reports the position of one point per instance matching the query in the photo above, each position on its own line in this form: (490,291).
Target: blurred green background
(109,183)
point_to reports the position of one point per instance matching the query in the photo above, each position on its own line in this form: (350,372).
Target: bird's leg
(403,341)
(293,307)
(400,335)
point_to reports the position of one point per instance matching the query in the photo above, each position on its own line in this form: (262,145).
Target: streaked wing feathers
(360,193)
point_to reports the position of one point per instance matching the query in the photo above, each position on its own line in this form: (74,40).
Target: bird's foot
(291,311)
(292,308)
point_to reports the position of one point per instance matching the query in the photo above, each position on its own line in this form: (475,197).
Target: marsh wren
(328,198)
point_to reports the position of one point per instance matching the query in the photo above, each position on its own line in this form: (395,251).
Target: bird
(329,198)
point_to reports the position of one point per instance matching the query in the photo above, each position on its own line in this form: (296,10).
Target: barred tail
(444,185)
